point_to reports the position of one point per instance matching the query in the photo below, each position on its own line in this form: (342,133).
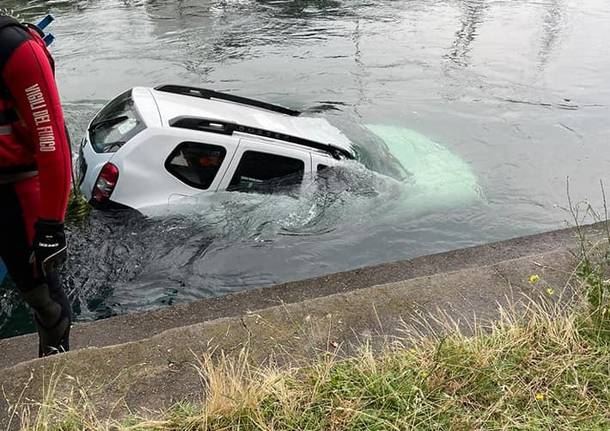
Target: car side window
(265,173)
(196,164)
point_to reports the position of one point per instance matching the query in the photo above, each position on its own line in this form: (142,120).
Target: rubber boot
(53,319)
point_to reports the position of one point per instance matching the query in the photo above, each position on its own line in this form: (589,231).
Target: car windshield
(116,124)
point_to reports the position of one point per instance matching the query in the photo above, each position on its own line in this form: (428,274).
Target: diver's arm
(29,77)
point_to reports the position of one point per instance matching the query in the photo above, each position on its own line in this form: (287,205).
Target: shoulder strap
(31,31)
(7,21)
(7,46)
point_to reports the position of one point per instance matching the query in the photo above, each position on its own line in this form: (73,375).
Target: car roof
(268,117)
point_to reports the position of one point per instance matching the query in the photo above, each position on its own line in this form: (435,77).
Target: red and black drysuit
(35,177)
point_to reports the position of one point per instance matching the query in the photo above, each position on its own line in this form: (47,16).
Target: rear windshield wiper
(108,122)
(112,145)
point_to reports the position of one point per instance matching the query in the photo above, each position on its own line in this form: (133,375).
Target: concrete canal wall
(146,360)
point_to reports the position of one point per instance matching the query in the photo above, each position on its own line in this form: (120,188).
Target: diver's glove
(49,246)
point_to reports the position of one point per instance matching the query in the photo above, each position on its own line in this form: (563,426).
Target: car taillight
(106,181)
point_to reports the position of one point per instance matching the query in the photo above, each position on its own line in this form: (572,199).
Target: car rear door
(170,164)
(265,167)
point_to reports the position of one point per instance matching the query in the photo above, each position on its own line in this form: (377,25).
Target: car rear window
(116,124)
(196,164)
(266,173)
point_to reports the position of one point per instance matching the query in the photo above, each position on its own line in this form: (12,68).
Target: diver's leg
(53,315)
(45,296)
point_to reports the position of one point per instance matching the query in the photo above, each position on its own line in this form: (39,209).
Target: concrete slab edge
(155,372)
(133,327)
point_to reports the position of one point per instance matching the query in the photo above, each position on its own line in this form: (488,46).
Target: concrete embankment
(146,360)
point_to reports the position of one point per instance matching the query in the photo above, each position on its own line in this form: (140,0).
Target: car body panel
(313,128)
(439,178)
(261,146)
(144,181)
(147,106)
(94,161)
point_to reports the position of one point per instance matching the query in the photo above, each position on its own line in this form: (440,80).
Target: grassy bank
(540,366)
(540,374)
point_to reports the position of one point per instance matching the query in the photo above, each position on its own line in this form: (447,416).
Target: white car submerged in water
(153,147)
(148,147)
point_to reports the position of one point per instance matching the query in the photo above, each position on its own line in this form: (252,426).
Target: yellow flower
(534,278)
(550,291)
(539,396)
(424,374)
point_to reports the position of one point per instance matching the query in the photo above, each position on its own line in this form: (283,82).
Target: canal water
(516,91)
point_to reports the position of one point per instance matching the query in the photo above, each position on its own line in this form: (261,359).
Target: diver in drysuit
(35,173)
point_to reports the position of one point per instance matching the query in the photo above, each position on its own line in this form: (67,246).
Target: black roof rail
(228,128)
(204,93)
